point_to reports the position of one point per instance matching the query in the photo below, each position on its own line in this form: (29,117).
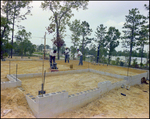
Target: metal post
(16,71)
(43,83)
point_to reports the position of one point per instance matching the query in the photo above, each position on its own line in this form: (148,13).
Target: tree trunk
(4,31)
(131,45)
(98,53)
(147,61)
(109,59)
(57,37)
(83,45)
(58,52)
(13,31)
(142,55)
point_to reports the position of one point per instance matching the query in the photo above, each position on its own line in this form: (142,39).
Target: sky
(108,13)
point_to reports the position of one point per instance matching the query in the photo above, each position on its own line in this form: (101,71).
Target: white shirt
(52,54)
(80,53)
(67,51)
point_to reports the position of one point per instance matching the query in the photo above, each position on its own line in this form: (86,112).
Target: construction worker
(66,54)
(143,80)
(52,57)
(79,53)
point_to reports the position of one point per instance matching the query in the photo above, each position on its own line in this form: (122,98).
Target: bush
(113,62)
(83,57)
(104,60)
(117,61)
(141,64)
(135,65)
(5,55)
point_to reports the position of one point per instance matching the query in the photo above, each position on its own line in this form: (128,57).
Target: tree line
(135,29)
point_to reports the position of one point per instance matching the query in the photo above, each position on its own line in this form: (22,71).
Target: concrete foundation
(52,104)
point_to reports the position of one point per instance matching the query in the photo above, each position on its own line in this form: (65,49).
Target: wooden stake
(43,59)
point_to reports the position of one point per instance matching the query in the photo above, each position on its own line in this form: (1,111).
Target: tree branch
(64,13)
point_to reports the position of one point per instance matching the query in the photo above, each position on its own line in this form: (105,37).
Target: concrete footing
(14,82)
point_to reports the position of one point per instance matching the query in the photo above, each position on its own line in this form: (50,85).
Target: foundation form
(52,104)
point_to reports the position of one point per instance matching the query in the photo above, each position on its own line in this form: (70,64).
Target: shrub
(134,64)
(113,62)
(141,64)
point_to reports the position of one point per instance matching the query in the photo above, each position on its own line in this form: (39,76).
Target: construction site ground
(72,83)
(111,104)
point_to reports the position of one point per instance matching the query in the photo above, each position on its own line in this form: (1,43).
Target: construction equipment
(42,88)
(54,67)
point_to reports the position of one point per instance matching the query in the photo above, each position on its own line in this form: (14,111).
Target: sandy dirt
(111,104)
(15,100)
(25,67)
(134,105)
(4,79)
(72,83)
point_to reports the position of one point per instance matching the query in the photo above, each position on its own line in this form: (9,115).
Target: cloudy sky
(108,13)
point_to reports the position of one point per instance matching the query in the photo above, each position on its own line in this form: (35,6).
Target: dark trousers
(80,61)
(52,58)
(66,58)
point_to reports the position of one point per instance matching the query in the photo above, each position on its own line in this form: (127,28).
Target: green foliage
(75,29)
(62,12)
(113,62)
(5,32)
(85,31)
(133,22)
(73,51)
(141,64)
(134,64)
(112,42)
(12,11)
(117,61)
(14,7)
(23,45)
(100,39)
(5,55)
(80,29)
(62,49)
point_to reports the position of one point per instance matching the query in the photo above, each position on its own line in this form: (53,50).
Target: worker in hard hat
(66,54)
(52,56)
